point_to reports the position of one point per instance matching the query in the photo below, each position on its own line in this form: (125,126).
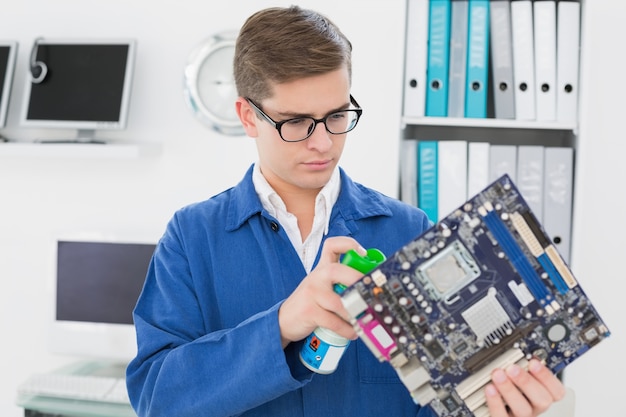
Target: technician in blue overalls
(239,280)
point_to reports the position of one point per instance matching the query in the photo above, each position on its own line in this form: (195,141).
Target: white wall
(44,197)
(599,237)
(41,198)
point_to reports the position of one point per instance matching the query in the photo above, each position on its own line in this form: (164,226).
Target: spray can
(323,348)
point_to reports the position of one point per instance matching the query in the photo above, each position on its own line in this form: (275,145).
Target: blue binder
(427,178)
(438,58)
(477,59)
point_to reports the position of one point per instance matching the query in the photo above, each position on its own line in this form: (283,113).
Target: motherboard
(483,288)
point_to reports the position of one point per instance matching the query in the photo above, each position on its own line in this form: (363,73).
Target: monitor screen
(8,50)
(97,286)
(86,85)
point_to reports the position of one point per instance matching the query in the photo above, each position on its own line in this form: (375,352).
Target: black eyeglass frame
(278,125)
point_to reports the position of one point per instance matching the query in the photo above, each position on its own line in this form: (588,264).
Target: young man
(239,280)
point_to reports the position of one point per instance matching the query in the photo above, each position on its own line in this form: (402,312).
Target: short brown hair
(278,45)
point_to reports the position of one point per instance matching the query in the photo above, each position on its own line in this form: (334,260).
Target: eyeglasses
(300,128)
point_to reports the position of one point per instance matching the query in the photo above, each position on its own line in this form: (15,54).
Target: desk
(54,407)
(37,406)
(40,406)
(59,407)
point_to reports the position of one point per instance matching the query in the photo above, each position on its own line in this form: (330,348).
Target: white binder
(530,177)
(458,58)
(451,175)
(502,160)
(416,52)
(544,15)
(567,63)
(523,58)
(477,167)
(408,173)
(558,188)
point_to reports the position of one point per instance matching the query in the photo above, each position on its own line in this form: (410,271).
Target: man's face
(305,165)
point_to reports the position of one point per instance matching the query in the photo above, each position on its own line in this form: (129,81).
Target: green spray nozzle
(362,263)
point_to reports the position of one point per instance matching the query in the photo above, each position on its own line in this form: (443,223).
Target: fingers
(547,379)
(337,324)
(523,393)
(506,392)
(322,293)
(332,251)
(314,303)
(495,402)
(336,246)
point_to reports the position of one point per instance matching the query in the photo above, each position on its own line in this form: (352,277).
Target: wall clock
(210,86)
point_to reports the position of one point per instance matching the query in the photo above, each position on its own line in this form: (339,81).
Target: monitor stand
(84,136)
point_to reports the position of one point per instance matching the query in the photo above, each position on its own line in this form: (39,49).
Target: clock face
(209,84)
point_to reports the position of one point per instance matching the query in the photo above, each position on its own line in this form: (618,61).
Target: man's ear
(248,117)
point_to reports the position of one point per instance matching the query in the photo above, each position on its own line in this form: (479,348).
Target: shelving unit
(491,130)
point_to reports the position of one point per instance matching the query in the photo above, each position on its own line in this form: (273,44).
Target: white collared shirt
(275,206)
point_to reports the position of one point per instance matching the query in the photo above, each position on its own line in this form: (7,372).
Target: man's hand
(525,394)
(314,303)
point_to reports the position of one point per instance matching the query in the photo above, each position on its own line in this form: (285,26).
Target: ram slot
(514,253)
(554,275)
(537,250)
(550,250)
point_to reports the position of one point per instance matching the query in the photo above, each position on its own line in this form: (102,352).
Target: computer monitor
(8,50)
(81,84)
(96,288)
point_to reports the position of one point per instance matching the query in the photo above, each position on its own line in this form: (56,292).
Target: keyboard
(77,387)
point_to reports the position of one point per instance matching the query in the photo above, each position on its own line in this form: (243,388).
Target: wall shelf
(487,123)
(80,150)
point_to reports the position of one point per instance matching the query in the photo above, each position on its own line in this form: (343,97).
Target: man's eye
(296,122)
